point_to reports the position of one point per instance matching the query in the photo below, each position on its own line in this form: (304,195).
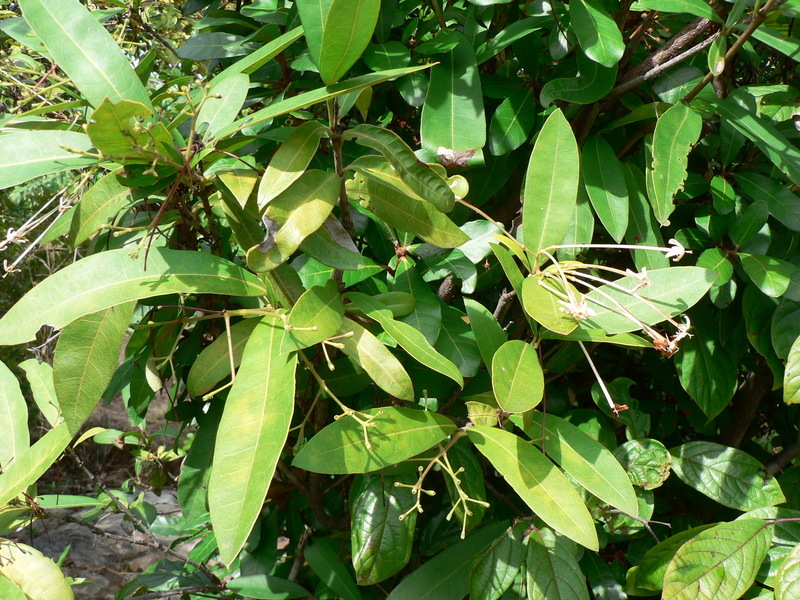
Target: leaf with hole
(677,130)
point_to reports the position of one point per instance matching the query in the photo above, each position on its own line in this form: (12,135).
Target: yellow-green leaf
(251,435)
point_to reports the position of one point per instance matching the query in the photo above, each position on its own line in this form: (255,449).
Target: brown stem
(152,541)
(744,405)
(782,459)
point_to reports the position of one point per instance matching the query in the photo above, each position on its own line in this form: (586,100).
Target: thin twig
(137,522)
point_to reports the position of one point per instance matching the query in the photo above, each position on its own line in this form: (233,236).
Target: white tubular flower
(577,309)
(643,279)
(676,250)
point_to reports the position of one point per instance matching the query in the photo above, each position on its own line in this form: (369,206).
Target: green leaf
(40,378)
(509,34)
(671,290)
(791,378)
(326,562)
(126,129)
(787,581)
(38,576)
(553,572)
(84,50)
(642,228)
(698,8)
(316,316)
(454,97)
(298,211)
(407,336)
(597,33)
(512,122)
(337,32)
(252,432)
(517,378)
(716,260)
(772,276)
(605,184)
(494,570)
(86,357)
(98,206)
(774,38)
(255,60)
(593,82)
(41,153)
(551,184)
(418,176)
(720,562)
(726,475)
(461,456)
(748,224)
(677,130)
(785,327)
(545,307)
(395,435)
(426,315)
(646,461)
(266,587)
(406,214)
(9,591)
(222,105)
(764,135)
(648,575)
(196,469)
(113,277)
(213,364)
(376,359)
(586,460)
(457,343)
(290,160)
(540,484)
(383,518)
(446,575)
(32,463)
(782,203)
(14,415)
(489,335)
(316,96)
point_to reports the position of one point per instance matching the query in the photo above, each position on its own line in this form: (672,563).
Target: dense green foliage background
(427,238)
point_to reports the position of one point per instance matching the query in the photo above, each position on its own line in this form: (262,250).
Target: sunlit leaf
(727,475)
(40,153)
(397,434)
(540,484)
(87,355)
(113,277)
(251,435)
(517,377)
(551,184)
(33,573)
(720,562)
(14,414)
